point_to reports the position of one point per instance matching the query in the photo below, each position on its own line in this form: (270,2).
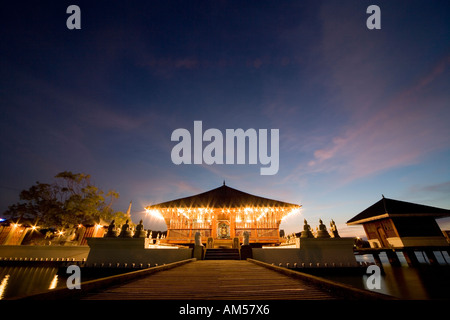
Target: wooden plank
(215,279)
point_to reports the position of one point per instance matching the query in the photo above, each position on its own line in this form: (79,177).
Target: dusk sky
(360,112)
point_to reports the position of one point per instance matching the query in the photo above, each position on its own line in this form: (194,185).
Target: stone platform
(310,252)
(105,251)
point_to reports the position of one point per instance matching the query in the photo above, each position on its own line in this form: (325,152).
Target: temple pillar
(190,229)
(214,229)
(232,225)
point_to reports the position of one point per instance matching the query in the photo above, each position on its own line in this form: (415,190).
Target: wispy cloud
(442,188)
(388,122)
(403,132)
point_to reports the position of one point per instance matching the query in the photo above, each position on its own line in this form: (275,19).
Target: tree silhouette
(72,199)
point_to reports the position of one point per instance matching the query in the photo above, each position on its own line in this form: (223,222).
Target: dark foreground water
(423,283)
(23,280)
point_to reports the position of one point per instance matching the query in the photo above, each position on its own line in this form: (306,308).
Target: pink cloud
(383,130)
(404,131)
(440,67)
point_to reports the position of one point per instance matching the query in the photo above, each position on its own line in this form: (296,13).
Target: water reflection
(22,280)
(419,283)
(401,282)
(3,285)
(425,282)
(54,282)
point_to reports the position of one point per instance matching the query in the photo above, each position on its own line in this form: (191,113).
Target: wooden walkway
(214,279)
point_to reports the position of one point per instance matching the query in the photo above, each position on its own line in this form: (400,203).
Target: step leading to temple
(222,254)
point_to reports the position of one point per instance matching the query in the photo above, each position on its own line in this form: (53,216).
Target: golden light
(54,282)
(154,213)
(3,285)
(291,213)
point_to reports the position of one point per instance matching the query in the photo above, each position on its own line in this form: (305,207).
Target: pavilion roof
(388,208)
(222,197)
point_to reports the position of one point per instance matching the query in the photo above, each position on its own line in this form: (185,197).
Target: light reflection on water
(404,282)
(23,280)
(3,285)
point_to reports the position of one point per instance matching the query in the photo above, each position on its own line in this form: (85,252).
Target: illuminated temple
(222,214)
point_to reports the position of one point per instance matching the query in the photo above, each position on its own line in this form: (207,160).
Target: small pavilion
(222,214)
(394,225)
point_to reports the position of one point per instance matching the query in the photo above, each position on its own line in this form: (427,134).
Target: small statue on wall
(306,233)
(334,230)
(140,232)
(126,232)
(322,232)
(112,232)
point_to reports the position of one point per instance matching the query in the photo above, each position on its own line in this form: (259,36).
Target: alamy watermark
(374,280)
(74,280)
(374,20)
(190,149)
(73,22)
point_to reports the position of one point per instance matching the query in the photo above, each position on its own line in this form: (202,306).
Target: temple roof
(388,208)
(222,197)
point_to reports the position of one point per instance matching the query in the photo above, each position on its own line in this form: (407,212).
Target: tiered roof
(222,197)
(389,208)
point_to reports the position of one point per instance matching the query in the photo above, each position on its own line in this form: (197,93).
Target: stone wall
(27,253)
(312,251)
(131,250)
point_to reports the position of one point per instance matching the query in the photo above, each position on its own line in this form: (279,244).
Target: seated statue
(140,232)
(334,230)
(112,232)
(322,232)
(306,233)
(126,232)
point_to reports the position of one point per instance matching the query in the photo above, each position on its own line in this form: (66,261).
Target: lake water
(425,282)
(420,283)
(23,280)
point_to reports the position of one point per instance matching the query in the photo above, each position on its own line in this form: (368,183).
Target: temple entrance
(223,230)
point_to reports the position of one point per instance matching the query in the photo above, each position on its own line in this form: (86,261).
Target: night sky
(360,112)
